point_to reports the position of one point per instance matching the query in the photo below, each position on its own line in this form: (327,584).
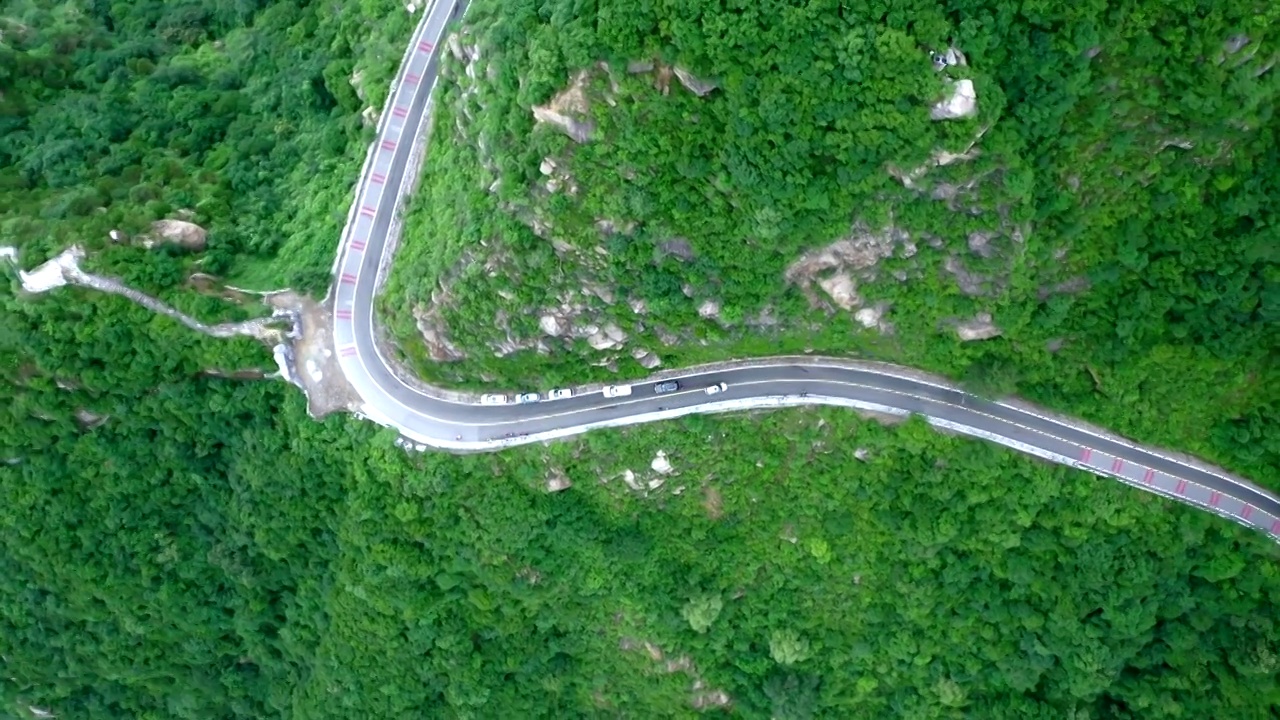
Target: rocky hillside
(624,191)
(648,242)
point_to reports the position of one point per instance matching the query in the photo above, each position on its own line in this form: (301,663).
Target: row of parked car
(610,391)
(523,398)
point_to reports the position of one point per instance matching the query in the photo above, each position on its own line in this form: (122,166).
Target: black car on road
(667,386)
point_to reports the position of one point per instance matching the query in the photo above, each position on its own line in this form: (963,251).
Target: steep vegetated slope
(635,185)
(751,568)
(167,525)
(243,118)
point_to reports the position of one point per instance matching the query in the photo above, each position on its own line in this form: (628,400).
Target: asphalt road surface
(444,420)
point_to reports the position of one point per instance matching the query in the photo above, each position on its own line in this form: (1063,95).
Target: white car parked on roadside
(560,394)
(616,391)
(493,399)
(524,398)
(717,388)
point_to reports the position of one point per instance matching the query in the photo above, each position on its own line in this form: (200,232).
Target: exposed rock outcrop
(867,317)
(646,359)
(435,333)
(604,293)
(578,130)
(663,73)
(837,267)
(607,338)
(552,325)
(693,84)
(1070,286)
(661,464)
(872,317)
(961,101)
(962,96)
(89,419)
(357,84)
(676,247)
(607,227)
(179,232)
(557,177)
(557,480)
(969,282)
(979,328)
(509,343)
(842,290)
(704,698)
(569,110)
(980,244)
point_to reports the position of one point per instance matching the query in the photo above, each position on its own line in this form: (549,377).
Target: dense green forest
(113,116)
(178,543)
(1126,165)
(211,552)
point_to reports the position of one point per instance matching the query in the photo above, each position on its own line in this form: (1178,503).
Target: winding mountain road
(448,420)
